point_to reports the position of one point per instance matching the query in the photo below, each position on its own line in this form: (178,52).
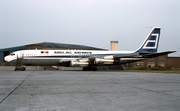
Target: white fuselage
(55,57)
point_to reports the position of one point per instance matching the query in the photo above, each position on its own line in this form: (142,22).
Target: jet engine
(103,61)
(108,57)
(78,64)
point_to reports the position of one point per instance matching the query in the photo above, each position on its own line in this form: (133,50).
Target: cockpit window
(12,54)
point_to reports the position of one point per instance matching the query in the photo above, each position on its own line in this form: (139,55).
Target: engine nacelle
(78,64)
(103,61)
(108,57)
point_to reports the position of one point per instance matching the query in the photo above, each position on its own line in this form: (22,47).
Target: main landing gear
(89,68)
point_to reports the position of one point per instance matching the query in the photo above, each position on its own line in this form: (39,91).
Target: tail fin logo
(150,45)
(152,42)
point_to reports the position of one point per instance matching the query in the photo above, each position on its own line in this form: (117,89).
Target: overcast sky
(89,22)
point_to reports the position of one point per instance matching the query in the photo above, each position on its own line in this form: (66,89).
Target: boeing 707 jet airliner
(88,59)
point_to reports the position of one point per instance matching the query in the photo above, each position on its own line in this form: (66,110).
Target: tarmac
(39,90)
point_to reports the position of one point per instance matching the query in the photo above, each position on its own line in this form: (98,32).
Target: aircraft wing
(96,60)
(125,55)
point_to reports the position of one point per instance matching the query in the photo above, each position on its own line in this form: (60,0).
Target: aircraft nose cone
(6,59)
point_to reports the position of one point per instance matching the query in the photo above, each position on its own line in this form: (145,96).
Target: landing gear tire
(89,68)
(20,68)
(84,68)
(23,69)
(94,68)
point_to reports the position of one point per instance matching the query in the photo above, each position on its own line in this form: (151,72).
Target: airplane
(88,59)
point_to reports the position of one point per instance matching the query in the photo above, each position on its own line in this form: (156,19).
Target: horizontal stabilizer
(151,55)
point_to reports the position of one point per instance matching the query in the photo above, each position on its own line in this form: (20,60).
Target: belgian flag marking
(44,52)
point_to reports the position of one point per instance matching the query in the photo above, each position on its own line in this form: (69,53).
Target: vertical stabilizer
(150,45)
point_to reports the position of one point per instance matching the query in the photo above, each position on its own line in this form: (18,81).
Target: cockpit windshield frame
(12,54)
